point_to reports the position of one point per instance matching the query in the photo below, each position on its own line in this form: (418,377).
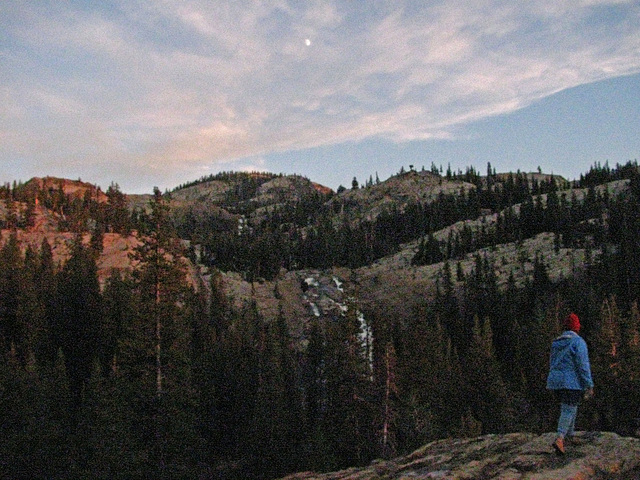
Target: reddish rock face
(74,188)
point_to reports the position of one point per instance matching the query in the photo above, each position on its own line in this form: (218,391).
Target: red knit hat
(572,322)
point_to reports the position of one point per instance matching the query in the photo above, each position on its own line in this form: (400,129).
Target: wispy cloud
(178,87)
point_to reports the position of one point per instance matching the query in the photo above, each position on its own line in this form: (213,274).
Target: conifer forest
(146,375)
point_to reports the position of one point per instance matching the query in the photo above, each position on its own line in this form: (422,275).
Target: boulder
(516,456)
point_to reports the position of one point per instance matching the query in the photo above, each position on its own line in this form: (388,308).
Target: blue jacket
(569,366)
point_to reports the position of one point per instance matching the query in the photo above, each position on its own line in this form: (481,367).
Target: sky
(157,93)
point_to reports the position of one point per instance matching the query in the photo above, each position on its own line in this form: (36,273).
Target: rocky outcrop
(394,194)
(72,188)
(517,456)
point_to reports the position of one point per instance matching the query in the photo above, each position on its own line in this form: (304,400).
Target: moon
(307,42)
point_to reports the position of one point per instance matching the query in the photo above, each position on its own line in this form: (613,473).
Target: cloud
(183,86)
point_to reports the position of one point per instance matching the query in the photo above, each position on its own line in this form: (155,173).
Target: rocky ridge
(73,188)
(395,193)
(516,456)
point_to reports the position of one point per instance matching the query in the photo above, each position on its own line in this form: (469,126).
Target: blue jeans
(569,401)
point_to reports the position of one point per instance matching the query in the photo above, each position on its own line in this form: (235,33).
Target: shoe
(558,445)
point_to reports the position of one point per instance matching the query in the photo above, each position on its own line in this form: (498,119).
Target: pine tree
(607,365)
(537,329)
(487,394)
(11,218)
(425,383)
(77,326)
(117,214)
(160,281)
(347,428)
(108,443)
(629,368)
(96,241)
(205,339)
(119,312)
(45,281)
(429,252)
(277,416)
(11,284)
(235,377)
(156,353)
(31,311)
(389,416)
(314,387)
(35,427)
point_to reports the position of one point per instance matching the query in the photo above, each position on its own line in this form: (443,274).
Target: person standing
(569,377)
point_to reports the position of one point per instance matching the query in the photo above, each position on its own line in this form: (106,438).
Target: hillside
(389,283)
(212,210)
(395,193)
(394,281)
(226,201)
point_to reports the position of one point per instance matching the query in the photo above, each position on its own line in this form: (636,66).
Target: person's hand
(588,393)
